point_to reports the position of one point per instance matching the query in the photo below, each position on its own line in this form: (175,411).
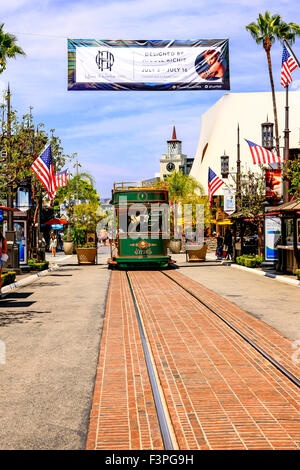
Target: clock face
(170,166)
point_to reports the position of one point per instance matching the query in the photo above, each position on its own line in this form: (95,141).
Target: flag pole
(286,146)
(286,138)
(238,169)
(294,55)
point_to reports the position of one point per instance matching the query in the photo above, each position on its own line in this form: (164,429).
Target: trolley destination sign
(148,65)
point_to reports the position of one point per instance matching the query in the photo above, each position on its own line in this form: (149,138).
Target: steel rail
(273,361)
(164,429)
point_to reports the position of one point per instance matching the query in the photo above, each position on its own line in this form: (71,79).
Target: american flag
(43,168)
(288,65)
(214,183)
(261,155)
(61,178)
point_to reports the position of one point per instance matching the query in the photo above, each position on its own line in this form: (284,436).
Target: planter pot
(196,253)
(175,246)
(68,248)
(86,255)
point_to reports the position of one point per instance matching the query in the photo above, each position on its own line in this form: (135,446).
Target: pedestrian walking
(53,244)
(3,255)
(220,244)
(228,244)
(103,237)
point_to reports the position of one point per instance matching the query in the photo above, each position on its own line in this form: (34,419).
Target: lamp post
(224,165)
(76,165)
(267,135)
(10,197)
(12,247)
(238,169)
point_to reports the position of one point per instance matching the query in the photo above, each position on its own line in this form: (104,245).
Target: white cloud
(296,84)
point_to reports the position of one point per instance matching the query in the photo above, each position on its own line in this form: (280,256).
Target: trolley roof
(139,185)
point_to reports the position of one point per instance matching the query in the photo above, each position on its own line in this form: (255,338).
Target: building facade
(252,113)
(174,159)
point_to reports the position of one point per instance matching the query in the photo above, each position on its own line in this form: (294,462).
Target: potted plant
(68,246)
(85,223)
(79,187)
(175,245)
(86,254)
(68,243)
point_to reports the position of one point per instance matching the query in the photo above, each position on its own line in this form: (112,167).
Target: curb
(27,280)
(270,275)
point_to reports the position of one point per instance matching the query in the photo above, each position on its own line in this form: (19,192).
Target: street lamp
(76,165)
(12,246)
(224,165)
(267,135)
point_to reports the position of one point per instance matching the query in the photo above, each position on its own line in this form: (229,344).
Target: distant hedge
(37,265)
(250,261)
(8,278)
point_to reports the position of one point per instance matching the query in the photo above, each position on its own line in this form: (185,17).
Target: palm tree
(8,48)
(184,189)
(267,29)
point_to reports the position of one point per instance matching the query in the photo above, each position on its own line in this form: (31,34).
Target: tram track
(260,350)
(164,421)
(160,352)
(211,385)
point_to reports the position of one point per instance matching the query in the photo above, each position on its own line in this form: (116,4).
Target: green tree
(24,143)
(20,144)
(80,187)
(8,48)
(267,29)
(293,172)
(85,216)
(185,189)
(250,200)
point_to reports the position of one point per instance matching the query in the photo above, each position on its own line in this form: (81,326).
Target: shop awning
(56,222)
(224,222)
(271,213)
(286,207)
(4,208)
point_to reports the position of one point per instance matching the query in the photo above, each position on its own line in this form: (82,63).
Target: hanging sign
(229,200)
(148,65)
(272,233)
(273,185)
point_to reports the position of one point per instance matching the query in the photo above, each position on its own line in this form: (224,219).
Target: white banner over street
(148,65)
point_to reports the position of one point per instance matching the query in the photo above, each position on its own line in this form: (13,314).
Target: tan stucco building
(218,132)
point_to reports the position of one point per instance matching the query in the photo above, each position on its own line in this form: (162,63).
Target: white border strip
(28,280)
(270,275)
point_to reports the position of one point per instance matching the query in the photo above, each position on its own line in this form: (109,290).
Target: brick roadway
(220,393)
(272,341)
(123,414)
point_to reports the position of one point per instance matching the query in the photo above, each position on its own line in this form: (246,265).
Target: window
(289,231)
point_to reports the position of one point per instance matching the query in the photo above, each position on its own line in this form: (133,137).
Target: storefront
(21,234)
(288,244)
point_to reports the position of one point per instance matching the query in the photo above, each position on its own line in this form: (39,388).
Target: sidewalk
(60,259)
(270,273)
(51,330)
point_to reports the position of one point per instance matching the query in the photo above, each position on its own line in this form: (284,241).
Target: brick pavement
(220,393)
(265,336)
(123,413)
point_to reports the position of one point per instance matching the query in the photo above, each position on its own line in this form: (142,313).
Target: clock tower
(174,159)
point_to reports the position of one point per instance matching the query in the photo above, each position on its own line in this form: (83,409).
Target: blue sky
(120,136)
